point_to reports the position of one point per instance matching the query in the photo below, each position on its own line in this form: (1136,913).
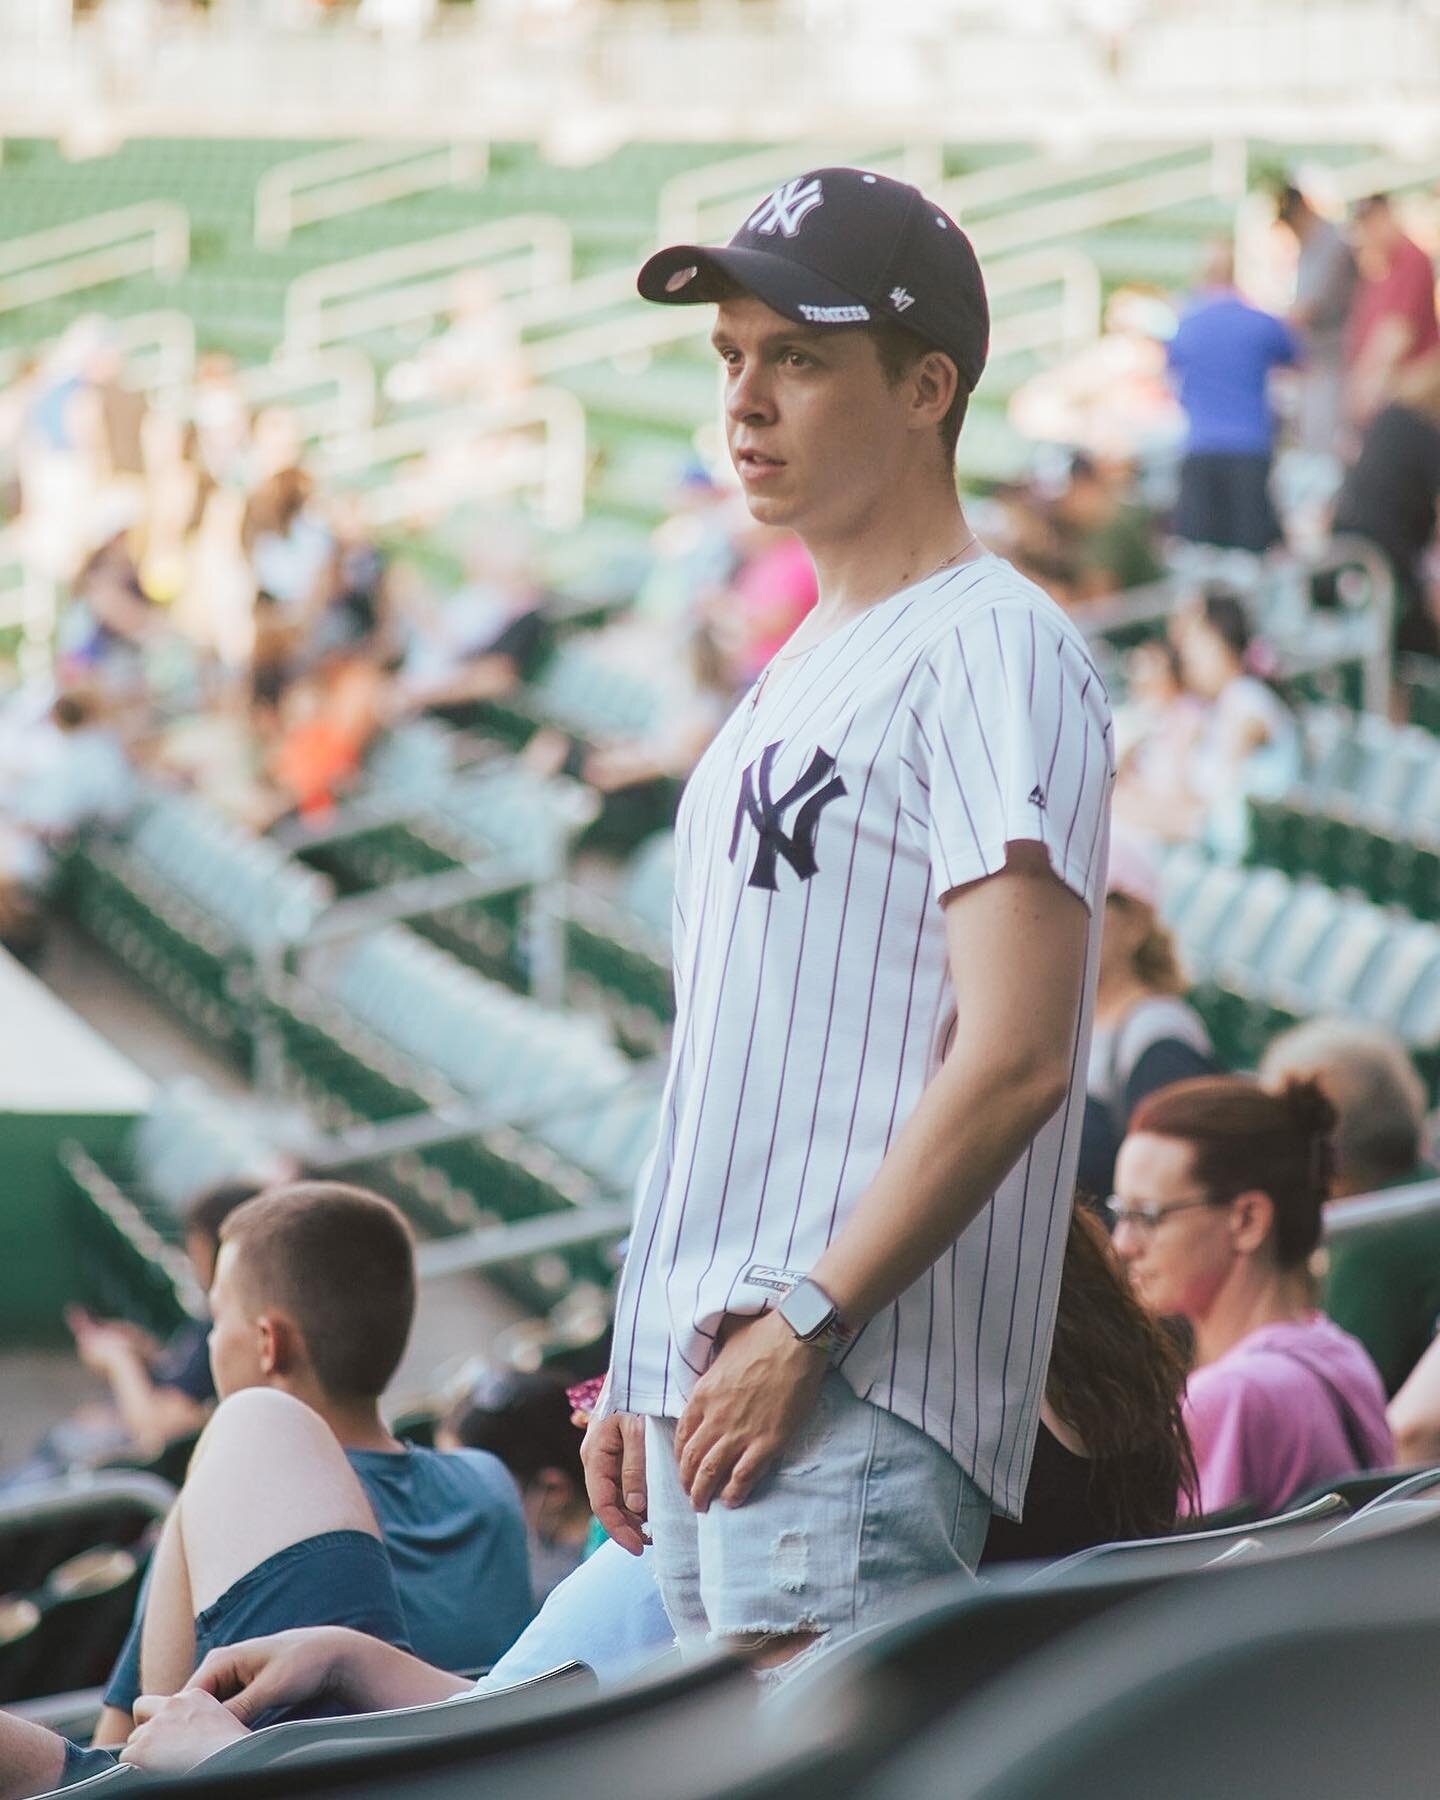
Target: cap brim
(693,274)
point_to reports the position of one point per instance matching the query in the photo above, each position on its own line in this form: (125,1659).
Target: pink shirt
(1289,1407)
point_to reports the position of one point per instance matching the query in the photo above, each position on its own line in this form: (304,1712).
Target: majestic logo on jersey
(787,208)
(813,792)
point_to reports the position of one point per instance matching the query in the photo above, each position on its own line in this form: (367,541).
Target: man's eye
(797,359)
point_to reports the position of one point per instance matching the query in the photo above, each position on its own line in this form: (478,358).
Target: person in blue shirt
(312,1299)
(1221,358)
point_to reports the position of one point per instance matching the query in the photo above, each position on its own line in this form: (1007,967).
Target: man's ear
(279,1344)
(935,381)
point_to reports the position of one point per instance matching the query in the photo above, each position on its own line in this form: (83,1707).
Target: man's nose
(748,395)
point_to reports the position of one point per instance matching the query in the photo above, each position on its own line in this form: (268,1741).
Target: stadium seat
(1306,1676)
(1285,1533)
(1357,1491)
(305,1742)
(72,1552)
(685,1733)
(127,1211)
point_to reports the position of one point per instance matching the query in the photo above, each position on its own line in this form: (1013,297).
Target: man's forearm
(378,1678)
(967,1133)
(32,1759)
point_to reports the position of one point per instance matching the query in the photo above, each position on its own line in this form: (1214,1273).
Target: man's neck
(887,548)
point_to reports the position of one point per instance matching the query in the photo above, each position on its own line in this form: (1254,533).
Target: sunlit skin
(1212,1265)
(825,446)
(1178,1268)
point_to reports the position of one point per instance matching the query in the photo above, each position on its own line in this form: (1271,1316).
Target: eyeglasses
(1146,1219)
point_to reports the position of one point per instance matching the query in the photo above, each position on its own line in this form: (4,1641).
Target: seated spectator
(1381,1286)
(1113,1454)
(1158,727)
(327,721)
(1146,1034)
(525,1421)
(1110,541)
(313,1298)
(158,1392)
(1220,1188)
(111,619)
(608,1615)
(1248,744)
(1390,496)
(482,641)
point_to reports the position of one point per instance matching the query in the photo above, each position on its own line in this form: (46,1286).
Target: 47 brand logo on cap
(787,208)
(816,788)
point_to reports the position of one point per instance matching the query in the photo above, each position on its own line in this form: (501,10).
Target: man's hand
(744,1410)
(288,1669)
(176,1731)
(614,1457)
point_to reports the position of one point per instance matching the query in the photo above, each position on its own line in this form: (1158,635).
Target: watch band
(813,1316)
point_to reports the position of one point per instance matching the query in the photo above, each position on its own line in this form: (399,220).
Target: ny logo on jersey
(768,815)
(786,209)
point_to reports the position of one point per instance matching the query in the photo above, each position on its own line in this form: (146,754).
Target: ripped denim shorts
(861,1508)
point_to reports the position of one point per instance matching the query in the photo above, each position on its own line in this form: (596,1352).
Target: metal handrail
(349,373)
(1359,1213)
(558,470)
(331,183)
(681,209)
(1217,172)
(158,349)
(151,238)
(414,283)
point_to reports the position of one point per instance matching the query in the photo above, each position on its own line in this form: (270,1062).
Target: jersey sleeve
(1008,741)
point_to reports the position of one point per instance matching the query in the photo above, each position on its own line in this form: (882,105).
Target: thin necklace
(794,655)
(954,557)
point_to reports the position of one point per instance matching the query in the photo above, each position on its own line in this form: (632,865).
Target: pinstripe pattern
(962,714)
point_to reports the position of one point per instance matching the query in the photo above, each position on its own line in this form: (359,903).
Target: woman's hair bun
(1307,1105)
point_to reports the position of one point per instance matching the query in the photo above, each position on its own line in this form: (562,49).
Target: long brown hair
(1117,1379)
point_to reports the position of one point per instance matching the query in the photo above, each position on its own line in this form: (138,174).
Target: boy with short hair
(313,1299)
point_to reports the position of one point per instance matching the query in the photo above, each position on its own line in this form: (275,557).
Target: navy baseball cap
(838,247)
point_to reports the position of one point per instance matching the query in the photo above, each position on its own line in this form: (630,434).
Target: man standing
(1221,356)
(1325,277)
(1392,319)
(836,1315)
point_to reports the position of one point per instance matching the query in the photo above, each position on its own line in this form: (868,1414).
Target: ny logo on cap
(786,209)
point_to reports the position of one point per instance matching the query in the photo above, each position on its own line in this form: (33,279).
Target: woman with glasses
(1217,1209)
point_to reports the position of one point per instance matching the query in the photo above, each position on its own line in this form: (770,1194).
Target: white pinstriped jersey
(895,761)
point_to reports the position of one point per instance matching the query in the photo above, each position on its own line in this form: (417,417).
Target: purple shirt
(1286,1409)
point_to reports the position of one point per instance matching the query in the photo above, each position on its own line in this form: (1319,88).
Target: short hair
(899,350)
(525,1420)
(1381,1105)
(1370,205)
(340,1261)
(208,1210)
(1242,1136)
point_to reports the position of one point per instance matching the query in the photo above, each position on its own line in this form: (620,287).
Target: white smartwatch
(814,1317)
